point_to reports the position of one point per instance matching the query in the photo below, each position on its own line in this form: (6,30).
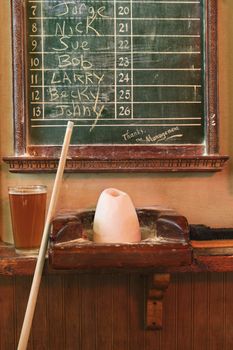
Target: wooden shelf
(191,254)
(13,264)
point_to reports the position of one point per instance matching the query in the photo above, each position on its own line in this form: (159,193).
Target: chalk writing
(123,72)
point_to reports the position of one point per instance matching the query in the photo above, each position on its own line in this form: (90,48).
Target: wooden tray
(71,245)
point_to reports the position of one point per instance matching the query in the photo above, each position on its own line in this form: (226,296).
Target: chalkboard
(131,74)
(126,72)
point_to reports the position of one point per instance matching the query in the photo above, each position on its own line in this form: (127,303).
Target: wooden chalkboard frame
(115,158)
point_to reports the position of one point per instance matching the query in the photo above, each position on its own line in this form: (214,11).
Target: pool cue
(27,323)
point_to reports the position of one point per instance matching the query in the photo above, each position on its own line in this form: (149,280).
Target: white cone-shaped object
(115,218)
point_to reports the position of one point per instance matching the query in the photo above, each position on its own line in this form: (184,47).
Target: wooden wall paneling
(170,326)
(104,312)
(121,311)
(184,312)
(200,311)
(88,311)
(55,311)
(216,312)
(153,340)
(136,312)
(229,311)
(72,312)
(39,330)
(22,289)
(7,319)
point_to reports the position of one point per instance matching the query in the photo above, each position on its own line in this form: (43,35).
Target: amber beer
(28,205)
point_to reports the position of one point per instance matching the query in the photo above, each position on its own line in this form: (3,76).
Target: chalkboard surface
(126,72)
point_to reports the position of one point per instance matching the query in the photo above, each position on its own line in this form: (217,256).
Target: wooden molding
(26,164)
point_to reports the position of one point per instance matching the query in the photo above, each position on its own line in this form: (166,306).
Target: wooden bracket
(157,285)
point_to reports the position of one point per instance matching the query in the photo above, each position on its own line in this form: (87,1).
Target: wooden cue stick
(25,332)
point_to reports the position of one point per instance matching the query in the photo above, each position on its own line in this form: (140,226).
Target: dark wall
(105,312)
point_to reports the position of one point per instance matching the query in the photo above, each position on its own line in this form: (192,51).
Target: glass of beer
(28,206)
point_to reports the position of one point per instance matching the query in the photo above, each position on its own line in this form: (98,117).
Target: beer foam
(26,190)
